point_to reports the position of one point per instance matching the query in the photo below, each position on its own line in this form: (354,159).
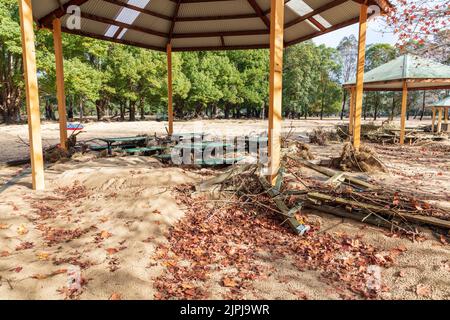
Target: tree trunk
(227,111)
(142,108)
(423,105)
(375,113)
(70,111)
(393,107)
(99,109)
(321,111)
(122,112)
(81,110)
(48,114)
(322,102)
(343,104)
(365,111)
(132,111)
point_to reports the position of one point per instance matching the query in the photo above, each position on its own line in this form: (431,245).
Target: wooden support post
(351,112)
(57,42)
(439,125)
(32,94)
(359,93)
(433,118)
(403,115)
(169,88)
(275,85)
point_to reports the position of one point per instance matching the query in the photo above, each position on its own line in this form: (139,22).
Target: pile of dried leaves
(233,239)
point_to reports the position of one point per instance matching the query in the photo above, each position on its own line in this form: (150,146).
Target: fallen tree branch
(331,173)
(382,211)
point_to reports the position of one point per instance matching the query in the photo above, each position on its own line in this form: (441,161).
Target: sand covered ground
(106,228)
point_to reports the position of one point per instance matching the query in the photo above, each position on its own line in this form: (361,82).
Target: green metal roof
(443,103)
(406,67)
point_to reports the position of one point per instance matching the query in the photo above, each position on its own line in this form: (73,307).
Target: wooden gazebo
(406,73)
(186,25)
(442,108)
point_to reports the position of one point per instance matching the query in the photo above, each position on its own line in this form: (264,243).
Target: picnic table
(203,145)
(122,140)
(188,135)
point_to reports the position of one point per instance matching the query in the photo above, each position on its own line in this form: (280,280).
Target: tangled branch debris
(363,160)
(341,195)
(299,149)
(322,137)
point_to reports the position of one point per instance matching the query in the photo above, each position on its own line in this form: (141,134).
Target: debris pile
(363,160)
(322,137)
(341,195)
(301,150)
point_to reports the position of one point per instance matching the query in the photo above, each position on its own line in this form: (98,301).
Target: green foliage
(103,77)
(378,102)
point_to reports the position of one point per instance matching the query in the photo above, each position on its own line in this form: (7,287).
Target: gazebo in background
(442,108)
(405,73)
(187,25)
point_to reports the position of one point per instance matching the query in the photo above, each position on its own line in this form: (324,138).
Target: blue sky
(374,34)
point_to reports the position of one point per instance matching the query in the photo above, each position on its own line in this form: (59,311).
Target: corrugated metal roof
(407,67)
(443,103)
(198,24)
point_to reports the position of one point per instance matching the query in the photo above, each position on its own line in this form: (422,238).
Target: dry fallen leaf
(112,250)
(105,234)
(43,256)
(4,253)
(170,263)
(300,295)
(228,282)
(115,296)
(423,290)
(446,265)
(22,230)
(17,269)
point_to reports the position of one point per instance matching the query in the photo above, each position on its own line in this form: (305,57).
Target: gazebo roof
(420,74)
(200,24)
(444,103)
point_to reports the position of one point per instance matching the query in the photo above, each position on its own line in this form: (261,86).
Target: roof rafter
(259,12)
(220,34)
(224,17)
(327,30)
(104,20)
(108,21)
(105,38)
(174,20)
(59,12)
(317,24)
(138,9)
(317,11)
